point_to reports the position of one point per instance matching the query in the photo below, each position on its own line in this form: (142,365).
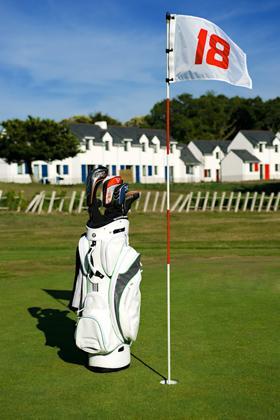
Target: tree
(139,121)
(36,139)
(92,118)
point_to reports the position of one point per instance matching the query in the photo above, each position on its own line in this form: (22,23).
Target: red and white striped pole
(168,381)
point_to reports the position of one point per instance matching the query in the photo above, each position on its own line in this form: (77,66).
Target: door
(217,175)
(44,171)
(137,173)
(261,171)
(266,172)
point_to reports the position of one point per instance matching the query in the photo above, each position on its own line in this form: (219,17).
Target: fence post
(230,201)
(155,200)
(205,201)
(72,200)
(275,208)
(222,201)
(137,202)
(81,201)
(261,201)
(254,201)
(163,201)
(175,205)
(269,201)
(184,203)
(246,201)
(147,198)
(189,202)
(51,201)
(43,194)
(214,201)
(197,201)
(237,202)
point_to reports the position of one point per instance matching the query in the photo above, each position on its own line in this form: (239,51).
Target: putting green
(225,329)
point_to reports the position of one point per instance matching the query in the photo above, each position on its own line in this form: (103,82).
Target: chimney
(102,124)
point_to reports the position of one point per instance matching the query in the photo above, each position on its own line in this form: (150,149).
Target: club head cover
(111,187)
(94,178)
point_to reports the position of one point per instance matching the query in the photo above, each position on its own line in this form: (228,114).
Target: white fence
(150,201)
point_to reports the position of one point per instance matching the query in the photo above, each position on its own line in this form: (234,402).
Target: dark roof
(245,156)
(117,133)
(256,136)
(86,130)
(207,146)
(187,156)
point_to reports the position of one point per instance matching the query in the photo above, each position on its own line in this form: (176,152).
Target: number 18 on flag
(199,49)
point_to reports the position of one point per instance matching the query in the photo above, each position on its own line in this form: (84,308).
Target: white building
(209,153)
(251,155)
(142,151)
(240,165)
(265,146)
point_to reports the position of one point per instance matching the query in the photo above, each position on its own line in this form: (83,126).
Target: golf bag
(106,293)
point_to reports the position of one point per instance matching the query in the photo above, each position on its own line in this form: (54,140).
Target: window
(122,167)
(207,173)
(261,147)
(189,169)
(217,155)
(107,146)
(125,146)
(20,168)
(58,169)
(65,169)
(173,148)
(143,147)
(144,170)
(156,170)
(87,144)
(251,167)
(277,167)
(276,148)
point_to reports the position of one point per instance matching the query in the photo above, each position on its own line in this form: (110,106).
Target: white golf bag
(107,296)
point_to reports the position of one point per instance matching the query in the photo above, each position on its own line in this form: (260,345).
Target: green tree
(140,121)
(36,139)
(92,118)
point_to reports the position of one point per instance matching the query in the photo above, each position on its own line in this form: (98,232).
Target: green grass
(225,321)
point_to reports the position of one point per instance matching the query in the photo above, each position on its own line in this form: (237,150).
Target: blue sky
(62,57)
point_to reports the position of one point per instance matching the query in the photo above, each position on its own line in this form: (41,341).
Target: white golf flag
(199,49)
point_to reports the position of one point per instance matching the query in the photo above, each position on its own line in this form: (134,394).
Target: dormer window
(107,146)
(125,146)
(173,148)
(217,155)
(87,144)
(276,148)
(143,147)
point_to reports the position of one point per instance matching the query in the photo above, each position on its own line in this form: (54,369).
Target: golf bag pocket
(129,309)
(89,336)
(94,332)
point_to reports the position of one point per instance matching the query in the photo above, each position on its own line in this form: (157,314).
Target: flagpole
(169,381)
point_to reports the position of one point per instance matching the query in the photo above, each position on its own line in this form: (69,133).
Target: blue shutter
(114,170)
(122,167)
(65,170)
(137,168)
(84,173)
(150,170)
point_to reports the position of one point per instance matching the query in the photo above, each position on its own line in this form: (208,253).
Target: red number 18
(213,50)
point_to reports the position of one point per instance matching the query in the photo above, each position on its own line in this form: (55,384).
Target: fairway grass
(225,271)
